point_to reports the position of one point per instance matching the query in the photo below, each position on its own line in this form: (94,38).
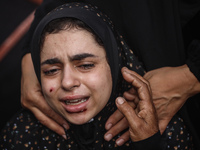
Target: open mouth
(75,105)
(75,101)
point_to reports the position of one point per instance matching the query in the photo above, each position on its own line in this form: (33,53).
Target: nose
(70,79)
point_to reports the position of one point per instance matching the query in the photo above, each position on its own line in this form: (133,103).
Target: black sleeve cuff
(151,143)
(193,60)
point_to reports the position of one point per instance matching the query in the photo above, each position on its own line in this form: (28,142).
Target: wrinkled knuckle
(144,85)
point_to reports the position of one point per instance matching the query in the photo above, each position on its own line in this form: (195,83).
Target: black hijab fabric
(90,135)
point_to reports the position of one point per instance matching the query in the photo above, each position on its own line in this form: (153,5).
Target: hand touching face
(141,116)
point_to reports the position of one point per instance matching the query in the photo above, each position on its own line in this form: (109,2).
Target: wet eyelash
(49,72)
(87,66)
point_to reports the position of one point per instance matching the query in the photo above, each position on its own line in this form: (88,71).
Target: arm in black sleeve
(151,143)
(193,49)
(40,12)
(193,60)
(190,16)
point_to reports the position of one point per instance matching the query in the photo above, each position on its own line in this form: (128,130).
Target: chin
(79,122)
(79,118)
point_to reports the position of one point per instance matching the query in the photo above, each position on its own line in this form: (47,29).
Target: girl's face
(75,75)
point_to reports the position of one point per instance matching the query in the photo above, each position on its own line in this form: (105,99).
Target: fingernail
(65,126)
(125,68)
(108,137)
(64,136)
(109,126)
(120,101)
(120,142)
(126,72)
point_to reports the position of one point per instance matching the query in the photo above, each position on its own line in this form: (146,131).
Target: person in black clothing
(12,15)
(164,36)
(78,63)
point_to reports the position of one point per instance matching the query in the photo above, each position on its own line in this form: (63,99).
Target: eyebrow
(51,61)
(81,56)
(73,58)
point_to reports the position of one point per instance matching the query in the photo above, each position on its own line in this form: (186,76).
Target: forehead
(67,23)
(70,42)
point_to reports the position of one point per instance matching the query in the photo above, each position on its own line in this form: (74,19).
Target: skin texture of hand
(171,87)
(141,117)
(137,106)
(32,99)
(180,84)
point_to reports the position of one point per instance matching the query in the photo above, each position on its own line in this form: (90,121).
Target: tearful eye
(86,66)
(50,72)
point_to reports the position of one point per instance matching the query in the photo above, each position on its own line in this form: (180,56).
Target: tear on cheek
(51,90)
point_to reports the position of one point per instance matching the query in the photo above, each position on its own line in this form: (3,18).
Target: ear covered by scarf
(90,135)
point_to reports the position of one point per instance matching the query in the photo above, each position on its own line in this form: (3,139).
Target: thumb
(127,111)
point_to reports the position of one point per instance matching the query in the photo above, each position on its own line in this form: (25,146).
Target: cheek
(102,83)
(48,87)
(51,89)
(107,82)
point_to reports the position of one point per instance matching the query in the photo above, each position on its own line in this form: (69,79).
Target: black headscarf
(90,135)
